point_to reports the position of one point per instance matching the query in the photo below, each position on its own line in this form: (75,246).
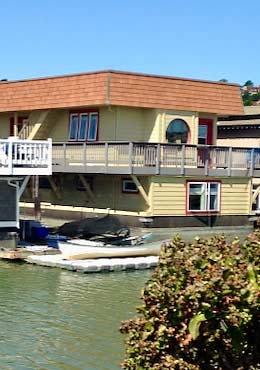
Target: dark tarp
(94,226)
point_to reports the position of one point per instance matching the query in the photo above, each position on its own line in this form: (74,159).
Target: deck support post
(86,186)
(256,193)
(36,197)
(54,187)
(141,189)
(23,186)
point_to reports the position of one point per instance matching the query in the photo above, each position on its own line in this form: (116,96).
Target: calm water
(54,319)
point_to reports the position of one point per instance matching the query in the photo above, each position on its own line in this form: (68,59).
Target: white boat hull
(77,250)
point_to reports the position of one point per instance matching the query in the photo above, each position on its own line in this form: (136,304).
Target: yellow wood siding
(169,195)
(117,124)
(5,125)
(235,196)
(60,129)
(107,192)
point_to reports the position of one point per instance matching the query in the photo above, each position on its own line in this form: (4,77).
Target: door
(205,137)
(20,123)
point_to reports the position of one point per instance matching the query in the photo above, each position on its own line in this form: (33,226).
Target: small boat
(74,249)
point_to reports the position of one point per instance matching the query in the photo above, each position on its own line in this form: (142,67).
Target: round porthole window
(177,132)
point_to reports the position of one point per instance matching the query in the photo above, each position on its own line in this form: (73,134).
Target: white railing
(25,157)
(113,157)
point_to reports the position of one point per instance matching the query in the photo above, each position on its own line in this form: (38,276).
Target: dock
(95,265)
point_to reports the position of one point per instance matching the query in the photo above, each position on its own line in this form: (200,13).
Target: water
(54,319)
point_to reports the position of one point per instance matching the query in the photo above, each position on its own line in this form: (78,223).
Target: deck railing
(154,158)
(25,157)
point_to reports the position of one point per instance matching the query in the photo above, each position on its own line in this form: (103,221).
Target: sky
(202,39)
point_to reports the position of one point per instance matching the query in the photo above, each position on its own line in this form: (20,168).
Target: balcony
(155,159)
(25,157)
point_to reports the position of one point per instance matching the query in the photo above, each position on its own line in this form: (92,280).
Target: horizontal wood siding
(235,196)
(107,192)
(168,196)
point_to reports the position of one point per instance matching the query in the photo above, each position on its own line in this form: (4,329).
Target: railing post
(130,157)
(158,159)
(85,156)
(49,155)
(206,168)
(229,160)
(183,150)
(10,155)
(106,157)
(64,155)
(252,164)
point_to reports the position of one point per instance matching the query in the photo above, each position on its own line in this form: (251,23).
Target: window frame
(129,191)
(77,129)
(97,124)
(79,115)
(186,125)
(207,209)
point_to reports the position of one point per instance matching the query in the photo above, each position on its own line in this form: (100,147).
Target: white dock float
(95,265)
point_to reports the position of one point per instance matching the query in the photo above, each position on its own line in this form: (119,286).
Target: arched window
(177,132)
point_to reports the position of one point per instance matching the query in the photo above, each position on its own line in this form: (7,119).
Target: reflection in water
(53,319)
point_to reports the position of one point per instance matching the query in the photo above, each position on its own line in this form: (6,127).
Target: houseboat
(142,147)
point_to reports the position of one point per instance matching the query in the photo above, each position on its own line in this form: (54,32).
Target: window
(203,134)
(129,186)
(83,126)
(177,132)
(203,196)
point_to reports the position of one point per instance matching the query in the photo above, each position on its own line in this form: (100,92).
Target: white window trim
(71,116)
(79,127)
(89,121)
(207,195)
(125,190)
(79,115)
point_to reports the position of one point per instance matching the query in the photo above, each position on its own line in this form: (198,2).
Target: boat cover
(108,226)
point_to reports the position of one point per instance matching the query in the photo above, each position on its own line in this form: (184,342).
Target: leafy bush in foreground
(200,309)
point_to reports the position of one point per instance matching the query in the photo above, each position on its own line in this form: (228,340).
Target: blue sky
(205,39)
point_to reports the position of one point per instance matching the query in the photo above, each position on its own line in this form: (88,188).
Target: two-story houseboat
(139,146)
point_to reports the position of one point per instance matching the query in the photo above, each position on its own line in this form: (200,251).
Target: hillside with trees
(250,93)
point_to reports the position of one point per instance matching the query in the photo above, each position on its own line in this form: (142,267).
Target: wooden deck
(154,159)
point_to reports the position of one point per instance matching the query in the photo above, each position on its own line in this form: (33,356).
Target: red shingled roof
(120,88)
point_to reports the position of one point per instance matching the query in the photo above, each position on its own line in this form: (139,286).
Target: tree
(249,83)
(200,310)
(223,80)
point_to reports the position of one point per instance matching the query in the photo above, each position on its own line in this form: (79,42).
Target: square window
(203,196)
(129,186)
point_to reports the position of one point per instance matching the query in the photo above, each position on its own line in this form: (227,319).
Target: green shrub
(200,309)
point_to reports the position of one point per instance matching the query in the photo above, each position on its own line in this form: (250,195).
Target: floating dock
(95,265)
